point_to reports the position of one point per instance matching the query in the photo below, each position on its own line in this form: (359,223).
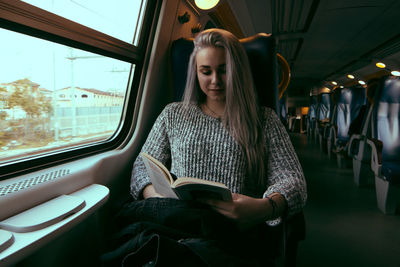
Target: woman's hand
(248,211)
(149,191)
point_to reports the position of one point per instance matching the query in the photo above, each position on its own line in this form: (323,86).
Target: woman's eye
(206,72)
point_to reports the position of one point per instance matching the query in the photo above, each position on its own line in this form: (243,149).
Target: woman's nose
(215,78)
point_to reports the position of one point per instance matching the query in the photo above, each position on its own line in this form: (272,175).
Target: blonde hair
(242,115)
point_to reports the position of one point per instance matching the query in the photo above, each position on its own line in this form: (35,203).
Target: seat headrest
(371,89)
(314,100)
(261,52)
(180,54)
(345,96)
(325,99)
(359,95)
(390,90)
(387,117)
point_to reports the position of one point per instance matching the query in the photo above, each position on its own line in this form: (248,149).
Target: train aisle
(343,224)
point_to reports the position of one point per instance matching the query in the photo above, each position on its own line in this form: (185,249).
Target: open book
(185,188)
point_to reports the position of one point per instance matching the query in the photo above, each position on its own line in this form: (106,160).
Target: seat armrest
(376,154)
(336,130)
(332,132)
(353,139)
(322,123)
(326,128)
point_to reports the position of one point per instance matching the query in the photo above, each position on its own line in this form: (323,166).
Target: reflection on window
(53,96)
(121,19)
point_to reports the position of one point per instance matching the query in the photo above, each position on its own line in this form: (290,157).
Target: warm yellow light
(361,82)
(206,4)
(304,110)
(334,83)
(350,76)
(380,65)
(341,86)
(395,73)
(325,90)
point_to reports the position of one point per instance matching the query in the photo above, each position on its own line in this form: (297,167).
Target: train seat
(323,117)
(316,120)
(360,131)
(283,111)
(332,131)
(262,55)
(385,144)
(311,117)
(326,134)
(292,123)
(349,103)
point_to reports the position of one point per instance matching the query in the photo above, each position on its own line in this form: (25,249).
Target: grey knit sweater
(199,146)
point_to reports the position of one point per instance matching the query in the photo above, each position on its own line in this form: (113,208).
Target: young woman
(220,133)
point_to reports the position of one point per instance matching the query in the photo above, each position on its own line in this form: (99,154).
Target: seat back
(343,118)
(366,126)
(283,110)
(386,125)
(349,103)
(323,113)
(311,116)
(262,56)
(357,124)
(360,132)
(335,100)
(331,115)
(312,111)
(359,100)
(324,106)
(359,107)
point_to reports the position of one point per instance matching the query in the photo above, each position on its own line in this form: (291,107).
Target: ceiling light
(334,83)
(206,4)
(380,65)
(361,82)
(395,73)
(350,76)
(341,86)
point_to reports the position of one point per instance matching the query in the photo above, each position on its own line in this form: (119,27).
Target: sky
(47,63)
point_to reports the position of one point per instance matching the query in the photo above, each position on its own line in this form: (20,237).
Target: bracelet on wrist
(273,205)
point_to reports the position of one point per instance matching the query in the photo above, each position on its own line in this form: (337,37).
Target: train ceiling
(323,40)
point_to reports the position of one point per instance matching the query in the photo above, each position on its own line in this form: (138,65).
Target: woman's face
(211,72)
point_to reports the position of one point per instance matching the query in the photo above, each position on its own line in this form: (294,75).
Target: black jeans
(171,232)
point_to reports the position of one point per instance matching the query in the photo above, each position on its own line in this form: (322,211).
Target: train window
(56,95)
(118,20)
(68,71)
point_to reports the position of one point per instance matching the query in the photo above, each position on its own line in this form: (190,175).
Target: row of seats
(360,127)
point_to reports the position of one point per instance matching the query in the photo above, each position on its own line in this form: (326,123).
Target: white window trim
(28,15)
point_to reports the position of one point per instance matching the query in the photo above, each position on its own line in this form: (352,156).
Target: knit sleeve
(157,145)
(285,174)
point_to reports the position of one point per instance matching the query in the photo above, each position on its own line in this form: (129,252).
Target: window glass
(53,96)
(121,19)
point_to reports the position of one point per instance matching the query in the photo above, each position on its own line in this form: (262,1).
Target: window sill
(23,243)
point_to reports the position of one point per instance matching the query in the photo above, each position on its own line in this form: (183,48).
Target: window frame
(27,19)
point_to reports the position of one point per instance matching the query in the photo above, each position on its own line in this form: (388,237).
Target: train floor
(343,224)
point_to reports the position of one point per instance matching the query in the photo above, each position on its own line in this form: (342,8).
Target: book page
(189,180)
(158,178)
